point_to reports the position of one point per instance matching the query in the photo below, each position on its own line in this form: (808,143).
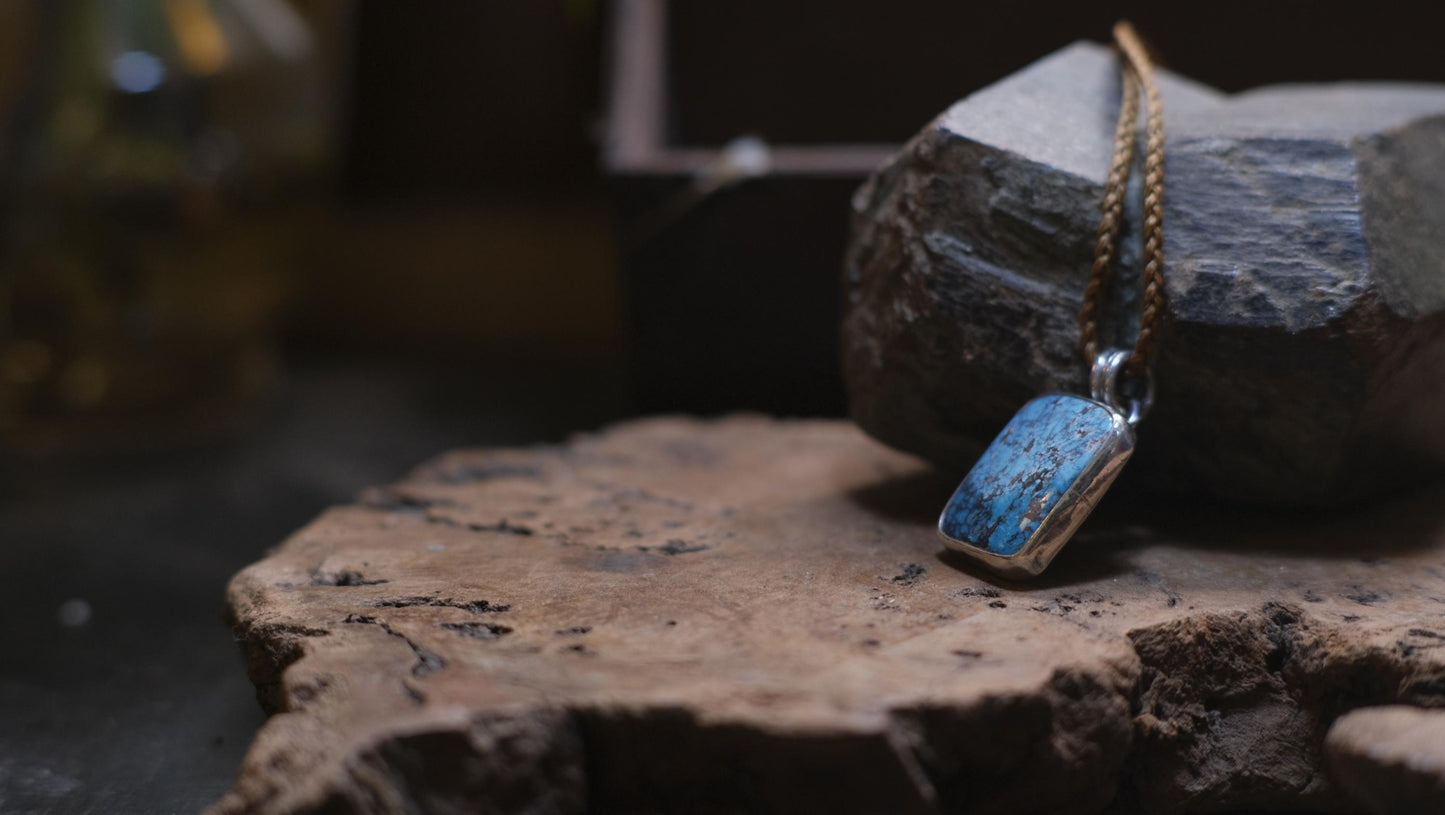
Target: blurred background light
(137,72)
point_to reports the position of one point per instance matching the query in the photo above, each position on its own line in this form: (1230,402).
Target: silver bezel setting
(1060,524)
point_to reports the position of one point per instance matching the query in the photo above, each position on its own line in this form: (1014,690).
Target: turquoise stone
(1054,458)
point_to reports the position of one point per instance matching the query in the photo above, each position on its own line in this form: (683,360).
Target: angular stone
(753,615)
(1390,759)
(1304,356)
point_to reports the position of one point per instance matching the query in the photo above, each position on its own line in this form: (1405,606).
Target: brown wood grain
(757,615)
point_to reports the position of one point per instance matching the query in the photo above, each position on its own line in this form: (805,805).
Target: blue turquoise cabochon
(1049,446)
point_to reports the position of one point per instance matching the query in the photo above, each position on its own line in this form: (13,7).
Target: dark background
(470,273)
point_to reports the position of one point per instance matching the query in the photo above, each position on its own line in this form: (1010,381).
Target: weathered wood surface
(757,615)
(1305,337)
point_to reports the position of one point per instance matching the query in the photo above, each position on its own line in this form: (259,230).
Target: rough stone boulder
(752,615)
(1304,360)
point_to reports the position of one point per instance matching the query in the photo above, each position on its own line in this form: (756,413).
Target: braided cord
(1138,75)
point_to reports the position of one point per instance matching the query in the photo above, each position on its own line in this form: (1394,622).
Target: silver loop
(1104,386)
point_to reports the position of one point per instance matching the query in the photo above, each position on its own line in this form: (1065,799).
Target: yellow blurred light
(200,40)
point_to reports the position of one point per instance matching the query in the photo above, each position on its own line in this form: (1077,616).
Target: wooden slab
(1391,759)
(749,614)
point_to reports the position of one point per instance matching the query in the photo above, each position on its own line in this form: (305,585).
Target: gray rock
(1303,360)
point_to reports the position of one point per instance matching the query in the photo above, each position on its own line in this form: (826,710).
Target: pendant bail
(1104,386)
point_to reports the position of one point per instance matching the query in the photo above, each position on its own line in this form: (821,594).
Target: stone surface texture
(1392,759)
(1303,361)
(757,615)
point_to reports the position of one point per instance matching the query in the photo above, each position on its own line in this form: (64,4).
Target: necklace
(1050,465)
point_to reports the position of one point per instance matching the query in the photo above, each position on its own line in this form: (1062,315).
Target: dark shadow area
(1411,520)
(1128,520)
(916,498)
(144,705)
(1074,565)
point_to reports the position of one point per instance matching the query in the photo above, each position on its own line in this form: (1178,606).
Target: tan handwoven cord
(1137,72)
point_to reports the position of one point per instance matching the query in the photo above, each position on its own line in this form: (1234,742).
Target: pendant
(1043,475)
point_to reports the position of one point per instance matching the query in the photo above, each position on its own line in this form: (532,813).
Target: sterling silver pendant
(1044,473)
